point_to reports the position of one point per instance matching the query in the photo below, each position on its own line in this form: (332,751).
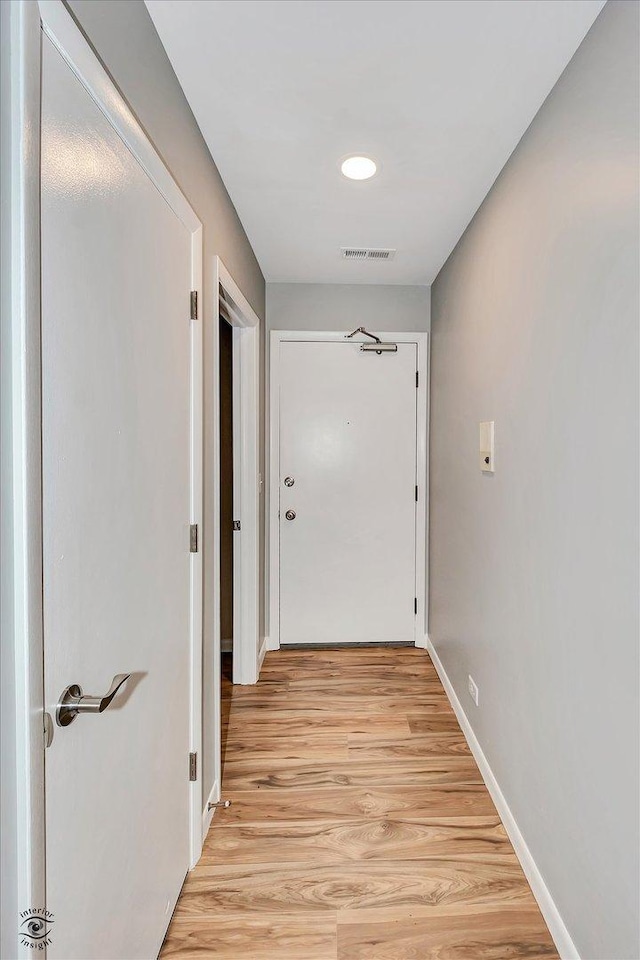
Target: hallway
(360,827)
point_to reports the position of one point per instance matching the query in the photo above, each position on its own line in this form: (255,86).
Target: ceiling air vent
(366,253)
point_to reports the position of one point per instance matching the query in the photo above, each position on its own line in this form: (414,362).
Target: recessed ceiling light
(358,168)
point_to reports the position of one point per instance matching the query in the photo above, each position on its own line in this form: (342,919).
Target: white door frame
(422,447)
(236,309)
(247,652)
(23,541)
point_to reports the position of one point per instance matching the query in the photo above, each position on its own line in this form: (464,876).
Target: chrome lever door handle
(73,701)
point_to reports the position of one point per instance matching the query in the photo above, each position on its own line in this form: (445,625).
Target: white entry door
(116,276)
(347,493)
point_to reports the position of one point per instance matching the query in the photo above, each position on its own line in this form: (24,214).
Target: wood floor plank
(285,723)
(413,671)
(406,803)
(308,746)
(432,723)
(318,660)
(355,891)
(360,827)
(363,747)
(368,687)
(247,692)
(339,705)
(370,839)
(481,935)
(284,774)
(314,657)
(255,938)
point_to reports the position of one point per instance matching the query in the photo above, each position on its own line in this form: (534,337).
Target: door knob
(73,701)
(289,481)
(290,514)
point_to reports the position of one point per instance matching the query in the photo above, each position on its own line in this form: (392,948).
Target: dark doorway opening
(226,520)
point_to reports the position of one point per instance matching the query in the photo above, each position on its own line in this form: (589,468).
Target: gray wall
(125,39)
(344,306)
(534,571)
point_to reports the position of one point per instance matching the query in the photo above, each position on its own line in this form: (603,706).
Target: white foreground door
(348,443)
(116,271)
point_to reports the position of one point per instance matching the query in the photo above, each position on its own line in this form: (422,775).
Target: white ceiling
(437,91)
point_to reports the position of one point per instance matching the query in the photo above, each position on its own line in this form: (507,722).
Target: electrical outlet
(473,690)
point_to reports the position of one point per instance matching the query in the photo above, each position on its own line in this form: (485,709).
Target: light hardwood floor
(360,827)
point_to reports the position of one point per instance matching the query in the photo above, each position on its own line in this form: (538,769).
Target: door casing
(25,554)
(248,647)
(422,447)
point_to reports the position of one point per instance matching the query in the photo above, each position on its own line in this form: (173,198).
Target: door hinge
(416,492)
(417,378)
(236,525)
(193,538)
(193,766)
(194,304)
(415,605)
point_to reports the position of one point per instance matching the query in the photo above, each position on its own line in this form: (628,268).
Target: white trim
(246,359)
(212,401)
(271,644)
(262,652)
(207,814)
(422,478)
(244,312)
(229,300)
(196,508)
(421,340)
(246,346)
(273,488)
(23,541)
(557,928)
(60,28)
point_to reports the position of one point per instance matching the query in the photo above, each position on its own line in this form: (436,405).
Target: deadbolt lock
(289,481)
(290,514)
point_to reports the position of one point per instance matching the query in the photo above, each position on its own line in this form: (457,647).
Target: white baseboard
(262,651)
(422,642)
(271,644)
(207,815)
(557,929)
